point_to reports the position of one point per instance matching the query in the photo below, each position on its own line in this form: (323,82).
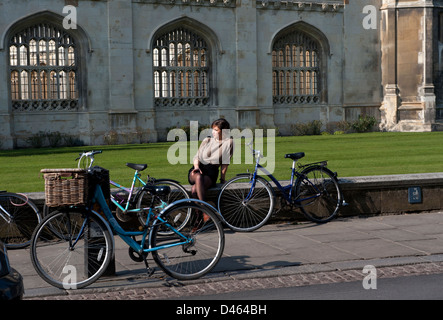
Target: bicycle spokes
(244,208)
(18,218)
(193,250)
(71,249)
(318,194)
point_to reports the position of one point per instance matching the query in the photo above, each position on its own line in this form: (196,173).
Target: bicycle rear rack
(320,163)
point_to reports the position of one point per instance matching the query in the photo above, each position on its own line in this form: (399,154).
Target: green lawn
(349,155)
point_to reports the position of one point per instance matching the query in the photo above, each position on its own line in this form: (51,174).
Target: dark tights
(201,183)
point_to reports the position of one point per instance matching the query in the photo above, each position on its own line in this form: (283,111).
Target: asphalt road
(422,287)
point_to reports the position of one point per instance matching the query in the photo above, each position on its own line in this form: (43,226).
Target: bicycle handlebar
(89,154)
(254,152)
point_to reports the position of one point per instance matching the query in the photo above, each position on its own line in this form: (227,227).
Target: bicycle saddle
(158,190)
(138,167)
(295,156)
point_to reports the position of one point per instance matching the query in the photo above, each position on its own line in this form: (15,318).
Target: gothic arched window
(181,69)
(43,69)
(296,69)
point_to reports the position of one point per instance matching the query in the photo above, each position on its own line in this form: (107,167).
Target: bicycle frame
(130,193)
(127,236)
(285,190)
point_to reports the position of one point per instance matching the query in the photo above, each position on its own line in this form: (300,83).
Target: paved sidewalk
(278,250)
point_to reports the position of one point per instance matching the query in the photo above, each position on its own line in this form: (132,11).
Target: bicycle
(130,200)
(18,218)
(72,247)
(246,202)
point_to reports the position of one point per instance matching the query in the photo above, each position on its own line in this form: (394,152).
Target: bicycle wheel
(71,249)
(178,192)
(318,194)
(243,213)
(204,245)
(19,221)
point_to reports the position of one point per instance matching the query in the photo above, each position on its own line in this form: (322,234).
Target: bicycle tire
(25,217)
(62,265)
(200,256)
(178,192)
(243,216)
(320,189)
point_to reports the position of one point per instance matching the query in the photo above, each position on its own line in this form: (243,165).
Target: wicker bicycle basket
(65,187)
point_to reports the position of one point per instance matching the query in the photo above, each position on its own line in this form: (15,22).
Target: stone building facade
(86,68)
(411,36)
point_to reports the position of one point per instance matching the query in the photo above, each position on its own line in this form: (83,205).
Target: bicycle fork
(251,190)
(80,233)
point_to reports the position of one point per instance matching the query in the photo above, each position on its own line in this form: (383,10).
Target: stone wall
(115,38)
(411,65)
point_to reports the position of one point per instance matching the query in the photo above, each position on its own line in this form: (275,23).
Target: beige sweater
(215,151)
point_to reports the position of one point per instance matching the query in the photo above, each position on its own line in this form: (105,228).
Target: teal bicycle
(127,201)
(72,247)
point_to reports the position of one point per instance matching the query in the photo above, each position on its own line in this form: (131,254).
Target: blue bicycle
(72,247)
(246,202)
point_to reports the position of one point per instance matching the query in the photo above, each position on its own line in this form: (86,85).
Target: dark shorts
(210,170)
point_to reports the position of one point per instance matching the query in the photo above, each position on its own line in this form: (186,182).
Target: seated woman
(214,154)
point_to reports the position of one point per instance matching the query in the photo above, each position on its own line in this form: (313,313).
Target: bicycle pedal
(149,270)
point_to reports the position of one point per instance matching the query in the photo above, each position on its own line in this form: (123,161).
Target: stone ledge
(388,194)
(390,181)
(366,195)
